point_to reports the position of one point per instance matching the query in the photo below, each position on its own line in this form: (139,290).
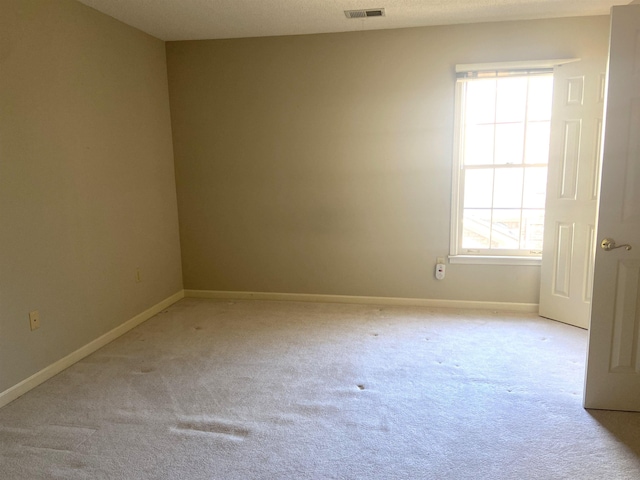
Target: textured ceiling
(207,19)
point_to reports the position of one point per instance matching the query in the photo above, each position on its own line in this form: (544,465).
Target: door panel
(624,352)
(572,186)
(613,362)
(570,158)
(631,206)
(562,255)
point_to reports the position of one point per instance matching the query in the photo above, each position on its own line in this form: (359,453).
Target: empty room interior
(323,239)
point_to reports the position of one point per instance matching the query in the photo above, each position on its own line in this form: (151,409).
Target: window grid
(524,247)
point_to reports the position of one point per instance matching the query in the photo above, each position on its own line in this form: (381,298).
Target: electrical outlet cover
(34,320)
(440,271)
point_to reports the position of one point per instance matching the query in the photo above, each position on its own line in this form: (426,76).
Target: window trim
(500,258)
(496,260)
(523,65)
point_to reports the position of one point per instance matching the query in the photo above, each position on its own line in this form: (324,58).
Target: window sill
(494,260)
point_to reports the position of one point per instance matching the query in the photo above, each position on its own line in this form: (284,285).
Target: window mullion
(493,182)
(524,167)
(462,167)
(505,165)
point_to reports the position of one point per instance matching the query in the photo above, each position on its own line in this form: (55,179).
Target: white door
(570,212)
(613,363)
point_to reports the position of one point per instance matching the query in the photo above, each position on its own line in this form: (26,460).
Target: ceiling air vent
(369,12)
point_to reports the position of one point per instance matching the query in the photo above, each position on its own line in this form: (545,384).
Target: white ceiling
(208,19)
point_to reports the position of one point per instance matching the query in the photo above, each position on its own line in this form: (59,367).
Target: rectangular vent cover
(370,12)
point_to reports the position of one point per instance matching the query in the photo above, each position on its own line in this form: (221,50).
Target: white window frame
(455,253)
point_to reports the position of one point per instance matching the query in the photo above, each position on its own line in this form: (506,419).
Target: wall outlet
(34,320)
(440,260)
(138,275)
(440,271)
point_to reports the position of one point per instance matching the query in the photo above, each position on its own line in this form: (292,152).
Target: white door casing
(613,360)
(572,186)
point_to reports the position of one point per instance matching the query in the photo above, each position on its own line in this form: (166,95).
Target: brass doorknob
(609,244)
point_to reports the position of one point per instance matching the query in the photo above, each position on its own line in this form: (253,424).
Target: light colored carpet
(276,390)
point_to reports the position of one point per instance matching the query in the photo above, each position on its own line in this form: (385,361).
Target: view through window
(504,121)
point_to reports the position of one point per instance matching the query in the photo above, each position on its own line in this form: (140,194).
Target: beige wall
(87,190)
(322,163)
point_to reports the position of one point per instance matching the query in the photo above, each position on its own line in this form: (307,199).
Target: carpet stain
(76,465)
(49,449)
(361,386)
(213,427)
(59,438)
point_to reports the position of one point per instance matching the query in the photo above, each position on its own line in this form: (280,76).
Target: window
(500,167)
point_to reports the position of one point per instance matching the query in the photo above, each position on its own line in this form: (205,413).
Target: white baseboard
(414,302)
(46,373)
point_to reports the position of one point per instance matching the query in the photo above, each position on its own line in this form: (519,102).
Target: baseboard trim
(413,302)
(46,373)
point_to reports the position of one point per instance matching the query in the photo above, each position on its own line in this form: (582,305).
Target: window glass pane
(532,229)
(537,148)
(505,231)
(478,145)
(505,128)
(511,101)
(540,97)
(508,188)
(480,101)
(535,187)
(478,188)
(509,143)
(476,228)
